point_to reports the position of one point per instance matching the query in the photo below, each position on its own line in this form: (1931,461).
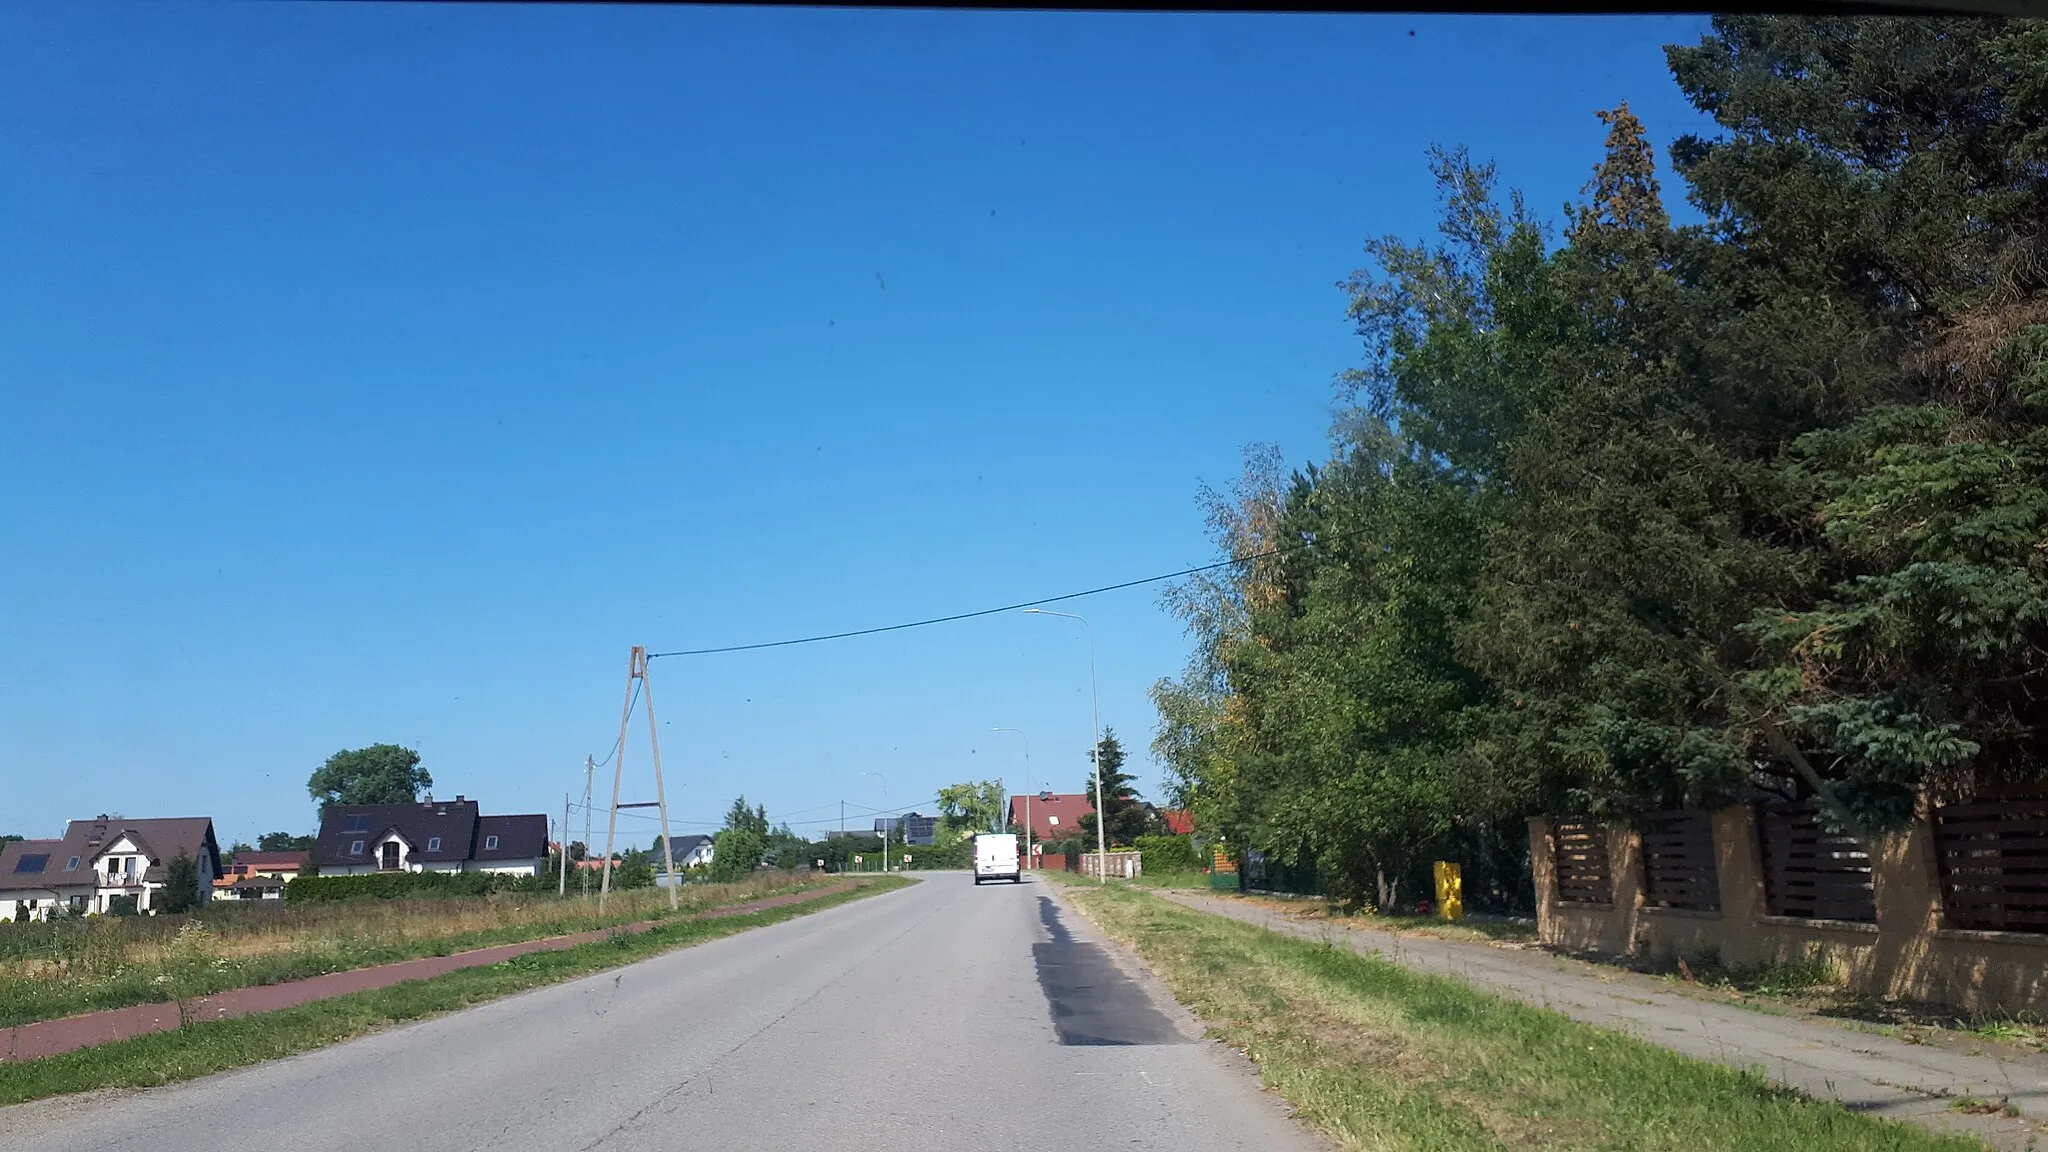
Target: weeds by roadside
(1808,985)
(66,967)
(1381,1057)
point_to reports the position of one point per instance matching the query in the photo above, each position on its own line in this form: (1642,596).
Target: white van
(995,857)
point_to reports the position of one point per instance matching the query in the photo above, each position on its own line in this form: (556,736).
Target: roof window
(433,843)
(360,822)
(490,843)
(355,848)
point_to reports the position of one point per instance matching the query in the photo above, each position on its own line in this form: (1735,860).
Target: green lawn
(1382,1058)
(200,1049)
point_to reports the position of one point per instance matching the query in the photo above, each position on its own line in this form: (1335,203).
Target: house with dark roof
(690,851)
(97,862)
(429,836)
(255,887)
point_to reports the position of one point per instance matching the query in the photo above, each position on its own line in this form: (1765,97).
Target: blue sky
(382,373)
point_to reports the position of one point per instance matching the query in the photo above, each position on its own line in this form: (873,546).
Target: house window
(433,843)
(357,823)
(490,843)
(355,847)
(71,865)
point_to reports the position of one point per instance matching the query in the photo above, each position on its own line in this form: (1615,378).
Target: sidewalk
(45,1038)
(1863,1070)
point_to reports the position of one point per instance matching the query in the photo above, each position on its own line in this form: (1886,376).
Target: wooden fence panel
(1809,872)
(1992,856)
(1678,862)
(1581,861)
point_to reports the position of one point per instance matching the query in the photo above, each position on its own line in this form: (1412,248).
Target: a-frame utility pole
(589,773)
(636,671)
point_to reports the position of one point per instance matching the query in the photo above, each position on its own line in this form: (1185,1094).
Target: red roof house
(1053,815)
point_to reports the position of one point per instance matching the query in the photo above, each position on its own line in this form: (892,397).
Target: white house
(430,836)
(690,851)
(100,861)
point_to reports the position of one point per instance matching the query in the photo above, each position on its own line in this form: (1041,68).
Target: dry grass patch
(68,967)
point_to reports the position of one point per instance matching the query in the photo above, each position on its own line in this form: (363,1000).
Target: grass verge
(201,1049)
(1382,1058)
(87,965)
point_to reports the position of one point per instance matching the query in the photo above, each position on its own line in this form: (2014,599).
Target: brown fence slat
(1809,872)
(1580,861)
(1678,862)
(1993,859)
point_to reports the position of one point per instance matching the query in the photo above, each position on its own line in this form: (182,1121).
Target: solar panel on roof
(32,862)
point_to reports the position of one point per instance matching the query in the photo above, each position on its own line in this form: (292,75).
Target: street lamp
(885,818)
(1095,749)
(1027,794)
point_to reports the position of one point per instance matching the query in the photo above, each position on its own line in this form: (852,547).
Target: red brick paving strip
(51,1037)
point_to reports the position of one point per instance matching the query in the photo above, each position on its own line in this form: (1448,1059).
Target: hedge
(1167,854)
(396,885)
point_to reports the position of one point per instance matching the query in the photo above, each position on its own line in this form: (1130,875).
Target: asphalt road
(945,1015)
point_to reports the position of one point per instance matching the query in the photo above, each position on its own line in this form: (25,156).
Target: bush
(1167,854)
(959,854)
(735,853)
(396,885)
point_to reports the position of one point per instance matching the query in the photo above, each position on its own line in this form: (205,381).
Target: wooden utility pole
(636,675)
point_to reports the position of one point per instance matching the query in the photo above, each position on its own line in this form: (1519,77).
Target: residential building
(1053,815)
(249,888)
(282,867)
(918,828)
(99,861)
(690,851)
(429,836)
(1179,821)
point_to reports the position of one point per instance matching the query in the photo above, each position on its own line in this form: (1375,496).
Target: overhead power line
(1005,608)
(620,742)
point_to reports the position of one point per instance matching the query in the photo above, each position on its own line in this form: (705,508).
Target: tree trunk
(1390,891)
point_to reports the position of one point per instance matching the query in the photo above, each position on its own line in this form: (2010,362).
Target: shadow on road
(1093,1002)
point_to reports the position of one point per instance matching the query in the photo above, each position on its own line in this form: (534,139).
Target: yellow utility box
(1450,890)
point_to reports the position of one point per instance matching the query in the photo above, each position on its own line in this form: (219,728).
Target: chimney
(458,797)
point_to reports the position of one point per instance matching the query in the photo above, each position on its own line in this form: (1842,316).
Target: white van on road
(995,857)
